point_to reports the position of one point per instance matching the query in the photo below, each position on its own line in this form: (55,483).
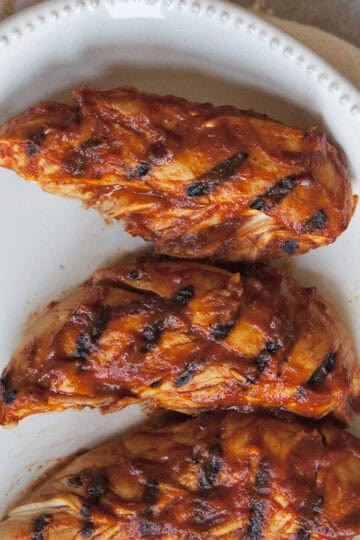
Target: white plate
(206,51)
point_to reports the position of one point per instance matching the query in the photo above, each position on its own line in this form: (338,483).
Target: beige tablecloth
(342,55)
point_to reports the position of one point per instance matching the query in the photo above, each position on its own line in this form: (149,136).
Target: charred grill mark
(273,196)
(150,492)
(101,323)
(87,340)
(326,367)
(257,504)
(97,486)
(207,182)
(304,531)
(186,376)
(141,170)
(221,331)
(34,142)
(290,246)
(10,396)
(152,335)
(184,295)
(211,468)
(84,347)
(315,222)
(40,523)
(88,529)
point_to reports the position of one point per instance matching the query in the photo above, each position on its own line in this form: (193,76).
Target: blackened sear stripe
(326,367)
(315,222)
(141,170)
(87,339)
(262,360)
(221,331)
(184,295)
(101,323)
(274,195)
(84,347)
(210,470)
(257,504)
(150,492)
(207,182)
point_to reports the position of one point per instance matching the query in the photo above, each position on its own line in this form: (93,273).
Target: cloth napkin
(342,55)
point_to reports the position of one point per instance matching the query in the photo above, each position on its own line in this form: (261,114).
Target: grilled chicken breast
(221,475)
(197,180)
(187,337)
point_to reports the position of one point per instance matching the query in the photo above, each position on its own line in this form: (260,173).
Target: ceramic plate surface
(205,51)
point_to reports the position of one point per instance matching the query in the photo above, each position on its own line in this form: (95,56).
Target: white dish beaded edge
(34,17)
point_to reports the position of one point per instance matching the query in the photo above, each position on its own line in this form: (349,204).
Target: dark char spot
(97,486)
(184,295)
(34,142)
(323,370)
(85,512)
(147,528)
(302,534)
(134,274)
(84,347)
(75,481)
(276,193)
(273,346)
(254,529)
(37,536)
(317,506)
(10,396)
(290,246)
(40,522)
(221,331)
(211,467)
(90,143)
(258,204)
(101,323)
(141,170)
(150,491)
(151,334)
(88,530)
(73,163)
(315,222)
(262,360)
(186,376)
(222,171)
(155,384)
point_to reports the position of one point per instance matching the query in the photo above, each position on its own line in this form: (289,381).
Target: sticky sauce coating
(187,337)
(219,475)
(197,180)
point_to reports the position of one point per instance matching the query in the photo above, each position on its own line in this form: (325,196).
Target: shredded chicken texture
(187,337)
(197,180)
(220,475)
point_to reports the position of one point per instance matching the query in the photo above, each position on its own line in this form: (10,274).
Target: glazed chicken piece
(220,475)
(186,337)
(198,180)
